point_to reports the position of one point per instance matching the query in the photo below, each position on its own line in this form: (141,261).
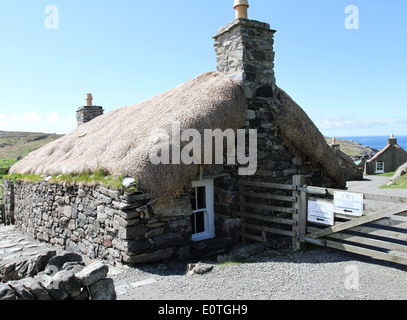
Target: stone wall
(102,223)
(8,201)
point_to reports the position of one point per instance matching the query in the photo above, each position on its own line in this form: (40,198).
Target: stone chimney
(392,140)
(244,51)
(88,112)
(335,146)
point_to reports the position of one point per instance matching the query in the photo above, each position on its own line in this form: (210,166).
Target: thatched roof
(119,141)
(304,138)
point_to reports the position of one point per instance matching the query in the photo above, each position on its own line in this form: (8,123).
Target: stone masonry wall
(102,223)
(8,201)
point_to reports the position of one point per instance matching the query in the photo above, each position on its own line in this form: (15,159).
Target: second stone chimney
(392,140)
(88,112)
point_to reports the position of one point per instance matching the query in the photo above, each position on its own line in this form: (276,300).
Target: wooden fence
(277,209)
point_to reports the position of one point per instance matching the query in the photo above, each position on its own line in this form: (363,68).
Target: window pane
(192,198)
(201,194)
(198,222)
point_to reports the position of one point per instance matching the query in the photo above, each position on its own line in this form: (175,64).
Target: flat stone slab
(16,245)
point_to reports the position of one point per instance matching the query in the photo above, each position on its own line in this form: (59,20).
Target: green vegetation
(348,147)
(388,174)
(14,145)
(400,183)
(5,165)
(100,177)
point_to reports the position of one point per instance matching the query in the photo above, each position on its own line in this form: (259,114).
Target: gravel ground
(371,184)
(316,274)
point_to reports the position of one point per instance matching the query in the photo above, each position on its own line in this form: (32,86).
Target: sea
(378,142)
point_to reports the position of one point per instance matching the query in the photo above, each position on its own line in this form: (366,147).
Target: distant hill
(19,144)
(354,149)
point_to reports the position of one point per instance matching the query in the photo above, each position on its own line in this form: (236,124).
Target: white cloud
(352,123)
(31,117)
(53,117)
(2,116)
(69,120)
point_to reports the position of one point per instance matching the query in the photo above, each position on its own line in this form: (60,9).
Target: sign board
(348,203)
(321,212)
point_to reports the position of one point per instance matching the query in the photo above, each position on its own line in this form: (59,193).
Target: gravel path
(317,274)
(371,184)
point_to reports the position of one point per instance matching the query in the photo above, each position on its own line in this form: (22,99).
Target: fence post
(242,190)
(3,216)
(300,218)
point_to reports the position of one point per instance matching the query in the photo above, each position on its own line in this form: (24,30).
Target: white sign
(348,203)
(321,212)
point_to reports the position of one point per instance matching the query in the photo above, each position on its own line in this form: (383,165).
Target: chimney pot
(89,99)
(241,7)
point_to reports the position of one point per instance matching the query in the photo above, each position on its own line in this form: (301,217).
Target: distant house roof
(385,149)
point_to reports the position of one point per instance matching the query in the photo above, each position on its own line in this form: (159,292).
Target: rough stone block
(92,273)
(149,257)
(102,290)
(21,291)
(7,293)
(133,232)
(52,287)
(60,260)
(67,280)
(34,287)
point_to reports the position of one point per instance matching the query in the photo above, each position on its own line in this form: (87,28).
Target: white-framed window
(379,166)
(202,219)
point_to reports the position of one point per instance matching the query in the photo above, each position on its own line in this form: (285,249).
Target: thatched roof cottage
(179,208)
(389,159)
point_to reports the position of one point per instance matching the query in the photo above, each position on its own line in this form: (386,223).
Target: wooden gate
(380,233)
(268,208)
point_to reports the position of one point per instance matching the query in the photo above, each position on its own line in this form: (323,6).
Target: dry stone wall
(102,223)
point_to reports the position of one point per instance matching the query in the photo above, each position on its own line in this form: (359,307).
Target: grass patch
(400,183)
(5,165)
(388,174)
(100,177)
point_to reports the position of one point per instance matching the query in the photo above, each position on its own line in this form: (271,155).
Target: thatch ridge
(119,141)
(302,135)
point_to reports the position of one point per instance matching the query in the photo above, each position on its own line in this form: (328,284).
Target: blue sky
(350,82)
